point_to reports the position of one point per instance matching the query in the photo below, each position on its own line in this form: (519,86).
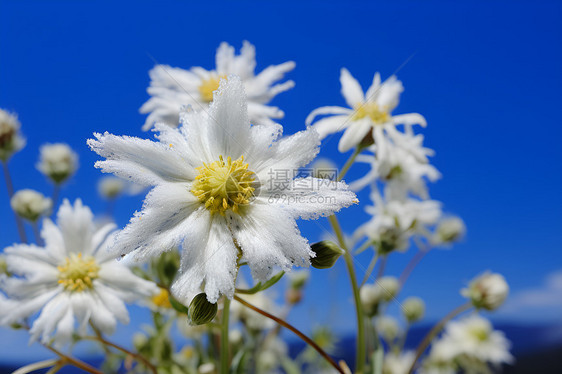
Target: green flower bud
(487,291)
(327,253)
(413,309)
(201,311)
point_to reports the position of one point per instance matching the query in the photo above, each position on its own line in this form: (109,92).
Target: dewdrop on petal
(110,187)
(57,161)
(30,204)
(10,139)
(413,309)
(487,291)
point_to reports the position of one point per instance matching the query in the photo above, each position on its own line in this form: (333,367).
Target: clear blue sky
(486,76)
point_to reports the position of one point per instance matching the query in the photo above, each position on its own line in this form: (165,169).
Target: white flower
(440,359)
(72,279)
(487,291)
(11,140)
(172,88)
(57,161)
(400,169)
(225,187)
(475,337)
(395,221)
(388,328)
(398,363)
(30,204)
(413,309)
(253,320)
(368,113)
(110,187)
(449,230)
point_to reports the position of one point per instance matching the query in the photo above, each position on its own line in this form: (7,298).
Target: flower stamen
(377,114)
(208,86)
(78,272)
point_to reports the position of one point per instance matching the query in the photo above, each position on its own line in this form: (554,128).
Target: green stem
(10,188)
(349,162)
(435,330)
(225,354)
(360,345)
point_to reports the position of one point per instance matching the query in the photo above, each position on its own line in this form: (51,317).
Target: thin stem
(435,330)
(73,361)
(124,350)
(293,329)
(370,269)
(349,162)
(10,188)
(410,267)
(381,267)
(37,233)
(360,344)
(36,366)
(225,354)
(56,193)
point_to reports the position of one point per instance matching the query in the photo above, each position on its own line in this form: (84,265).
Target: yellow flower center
(162,300)
(224,185)
(78,273)
(209,86)
(373,111)
(480,333)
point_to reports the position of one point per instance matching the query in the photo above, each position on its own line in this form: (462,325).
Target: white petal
(143,161)
(326,110)
(310,198)
(213,263)
(224,58)
(112,303)
(101,317)
(270,237)
(120,278)
(65,328)
(77,226)
(374,89)
(54,241)
(389,94)
(354,134)
(27,307)
(331,125)
(161,225)
(351,89)
(51,314)
(409,119)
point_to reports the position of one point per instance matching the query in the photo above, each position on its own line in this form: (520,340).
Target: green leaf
(177,305)
(261,287)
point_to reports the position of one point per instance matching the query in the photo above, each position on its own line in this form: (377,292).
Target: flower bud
(298,279)
(235,337)
(30,204)
(327,253)
(370,299)
(388,328)
(10,138)
(208,368)
(201,311)
(413,309)
(110,187)
(57,161)
(487,291)
(389,287)
(449,230)
(293,296)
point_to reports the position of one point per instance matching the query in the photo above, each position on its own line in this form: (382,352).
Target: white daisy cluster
(226,191)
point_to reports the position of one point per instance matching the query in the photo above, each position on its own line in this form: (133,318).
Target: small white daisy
(225,190)
(368,112)
(172,88)
(72,279)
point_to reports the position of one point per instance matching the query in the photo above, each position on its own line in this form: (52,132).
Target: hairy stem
(10,188)
(360,344)
(435,330)
(225,352)
(293,329)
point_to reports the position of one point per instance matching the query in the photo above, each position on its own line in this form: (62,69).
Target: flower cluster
(218,229)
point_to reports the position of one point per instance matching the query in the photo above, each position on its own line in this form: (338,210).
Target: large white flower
(225,190)
(172,88)
(72,279)
(475,337)
(368,112)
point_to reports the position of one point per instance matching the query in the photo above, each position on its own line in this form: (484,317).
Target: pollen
(377,114)
(223,186)
(162,299)
(78,272)
(209,86)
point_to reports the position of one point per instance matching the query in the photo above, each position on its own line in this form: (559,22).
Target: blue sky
(486,76)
